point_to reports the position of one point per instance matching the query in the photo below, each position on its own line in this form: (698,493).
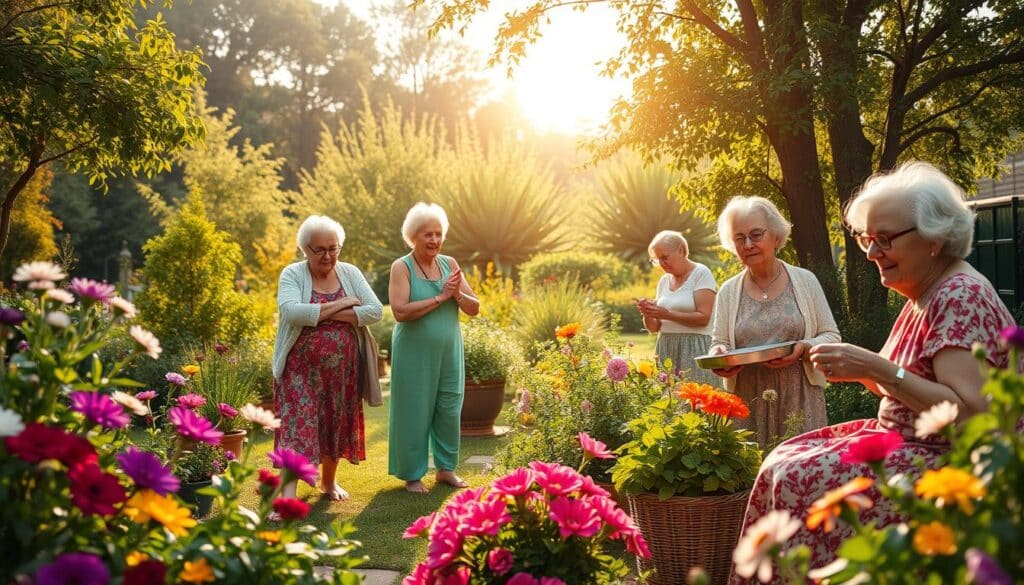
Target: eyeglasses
(754,236)
(321,252)
(884,241)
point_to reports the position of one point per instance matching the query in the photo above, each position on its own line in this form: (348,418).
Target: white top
(681,299)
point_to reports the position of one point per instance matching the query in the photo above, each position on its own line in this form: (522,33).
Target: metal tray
(746,356)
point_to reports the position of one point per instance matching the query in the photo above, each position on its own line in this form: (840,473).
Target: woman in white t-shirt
(681,311)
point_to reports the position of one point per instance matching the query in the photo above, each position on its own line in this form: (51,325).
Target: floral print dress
(318,398)
(963,310)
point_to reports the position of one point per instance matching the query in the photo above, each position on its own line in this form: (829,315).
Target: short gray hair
(318,224)
(777,224)
(671,237)
(421,214)
(937,204)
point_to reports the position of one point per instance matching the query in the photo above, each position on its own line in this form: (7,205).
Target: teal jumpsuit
(427,383)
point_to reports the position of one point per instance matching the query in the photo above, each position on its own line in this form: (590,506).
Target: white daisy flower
(260,416)
(932,421)
(10,423)
(39,274)
(752,553)
(58,319)
(150,344)
(129,402)
(60,295)
(122,307)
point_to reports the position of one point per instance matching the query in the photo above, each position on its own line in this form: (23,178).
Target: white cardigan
(819,324)
(295,288)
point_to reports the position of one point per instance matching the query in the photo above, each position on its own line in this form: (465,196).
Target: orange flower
(197,572)
(706,398)
(934,538)
(190,370)
(271,536)
(827,508)
(567,331)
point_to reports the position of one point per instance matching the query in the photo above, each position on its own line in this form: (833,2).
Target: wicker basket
(687,532)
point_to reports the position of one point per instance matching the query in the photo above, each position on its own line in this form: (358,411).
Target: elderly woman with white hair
(914,225)
(427,291)
(316,361)
(770,302)
(681,310)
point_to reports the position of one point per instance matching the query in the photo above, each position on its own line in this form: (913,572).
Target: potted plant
(687,473)
(196,468)
(225,383)
(489,354)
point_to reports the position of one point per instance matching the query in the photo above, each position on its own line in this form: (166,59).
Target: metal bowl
(746,356)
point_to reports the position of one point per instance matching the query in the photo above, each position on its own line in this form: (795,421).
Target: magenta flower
(1012,336)
(146,395)
(594,448)
(589,488)
(175,378)
(444,547)
(93,491)
(984,570)
(574,517)
(147,471)
(226,410)
(420,527)
(872,448)
(190,425)
(486,517)
(23,346)
(557,479)
(191,400)
(620,522)
(500,561)
(421,575)
(617,369)
(91,291)
(522,579)
(100,409)
(294,464)
(465,496)
(516,483)
(73,568)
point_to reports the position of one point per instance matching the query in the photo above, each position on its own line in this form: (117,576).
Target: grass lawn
(379,506)
(643,344)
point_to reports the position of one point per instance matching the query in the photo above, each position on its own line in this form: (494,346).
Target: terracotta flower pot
(232,441)
(481,406)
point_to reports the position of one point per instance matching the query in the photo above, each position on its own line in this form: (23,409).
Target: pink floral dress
(962,310)
(318,398)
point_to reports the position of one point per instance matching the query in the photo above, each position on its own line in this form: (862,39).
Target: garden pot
(202,502)
(687,532)
(232,441)
(481,406)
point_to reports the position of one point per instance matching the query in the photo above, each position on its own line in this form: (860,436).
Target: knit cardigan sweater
(819,324)
(295,288)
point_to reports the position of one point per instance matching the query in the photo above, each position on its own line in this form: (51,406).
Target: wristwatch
(900,375)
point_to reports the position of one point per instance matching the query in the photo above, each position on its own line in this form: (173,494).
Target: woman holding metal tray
(768,303)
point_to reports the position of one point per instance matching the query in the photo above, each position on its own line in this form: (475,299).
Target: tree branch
(952,73)
(68,151)
(41,7)
(961,104)
(952,132)
(713,27)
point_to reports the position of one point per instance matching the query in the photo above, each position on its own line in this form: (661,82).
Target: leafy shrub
(199,463)
(845,401)
(621,302)
(496,293)
(592,270)
(490,352)
(547,307)
(219,374)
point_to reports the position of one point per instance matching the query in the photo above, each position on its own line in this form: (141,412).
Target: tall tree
(79,82)
(32,226)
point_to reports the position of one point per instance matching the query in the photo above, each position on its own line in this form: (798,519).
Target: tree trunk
(7,207)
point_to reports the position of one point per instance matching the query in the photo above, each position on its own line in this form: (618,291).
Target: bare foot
(415,487)
(336,493)
(451,479)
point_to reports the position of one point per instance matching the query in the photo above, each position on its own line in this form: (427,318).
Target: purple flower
(146,471)
(617,369)
(192,426)
(146,395)
(191,400)
(12,317)
(226,410)
(90,289)
(175,378)
(73,568)
(294,463)
(23,346)
(100,409)
(983,569)
(1012,336)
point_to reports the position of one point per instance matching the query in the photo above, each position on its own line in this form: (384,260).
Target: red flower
(872,448)
(146,573)
(39,442)
(93,491)
(269,478)
(291,508)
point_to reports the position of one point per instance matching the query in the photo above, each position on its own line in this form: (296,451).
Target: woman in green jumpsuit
(426,292)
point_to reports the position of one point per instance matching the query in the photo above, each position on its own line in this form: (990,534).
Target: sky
(557,85)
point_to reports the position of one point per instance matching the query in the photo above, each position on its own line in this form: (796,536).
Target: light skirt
(681,348)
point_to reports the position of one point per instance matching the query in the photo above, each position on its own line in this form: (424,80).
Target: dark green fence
(999,245)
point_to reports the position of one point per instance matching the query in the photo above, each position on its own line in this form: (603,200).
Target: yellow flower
(827,508)
(190,370)
(645,368)
(272,536)
(135,557)
(934,538)
(950,484)
(197,572)
(567,331)
(148,505)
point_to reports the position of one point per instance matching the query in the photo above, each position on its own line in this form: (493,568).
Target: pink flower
(94,291)
(556,479)
(872,448)
(486,517)
(191,425)
(522,579)
(500,561)
(291,508)
(466,496)
(146,395)
(594,448)
(294,464)
(459,576)
(226,410)
(574,517)
(516,483)
(422,575)
(175,378)
(100,409)
(636,544)
(420,527)
(617,369)
(551,581)
(443,548)
(589,488)
(191,401)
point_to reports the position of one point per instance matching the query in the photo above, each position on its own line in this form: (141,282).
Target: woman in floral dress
(914,225)
(316,356)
